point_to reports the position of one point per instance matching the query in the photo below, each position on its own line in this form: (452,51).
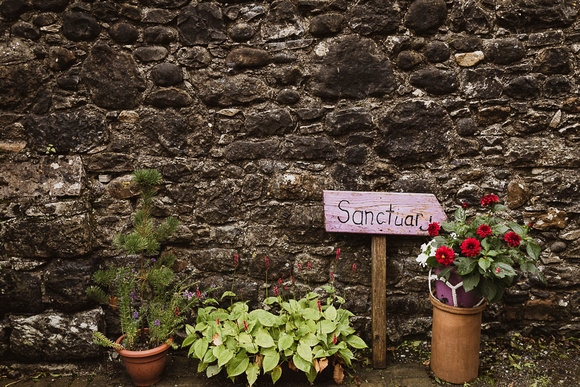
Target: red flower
(245,325)
(433,229)
(177,311)
(280,281)
(464,204)
(497,270)
(470,247)
(299,267)
(308,265)
(488,199)
(319,305)
(483,230)
(334,339)
(353,267)
(332,276)
(445,255)
(217,321)
(236,260)
(337,254)
(512,239)
(276,290)
(198,294)
(267,263)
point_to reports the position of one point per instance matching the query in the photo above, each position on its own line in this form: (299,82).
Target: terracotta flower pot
(455,342)
(144,367)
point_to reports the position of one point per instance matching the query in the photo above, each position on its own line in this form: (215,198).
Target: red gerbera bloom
(512,239)
(483,230)
(470,247)
(433,229)
(445,255)
(488,199)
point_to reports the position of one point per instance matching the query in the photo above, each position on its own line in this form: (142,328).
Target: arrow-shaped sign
(380,213)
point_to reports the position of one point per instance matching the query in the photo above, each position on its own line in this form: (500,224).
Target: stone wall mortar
(251,109)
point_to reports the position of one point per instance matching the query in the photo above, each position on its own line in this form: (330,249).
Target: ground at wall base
(515,361)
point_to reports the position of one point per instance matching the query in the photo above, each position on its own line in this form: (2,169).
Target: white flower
(422,259)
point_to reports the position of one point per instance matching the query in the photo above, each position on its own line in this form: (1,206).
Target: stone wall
(250,110)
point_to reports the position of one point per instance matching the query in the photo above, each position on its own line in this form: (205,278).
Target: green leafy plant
(151,304)
(485,250)
(50,150)
(307,334)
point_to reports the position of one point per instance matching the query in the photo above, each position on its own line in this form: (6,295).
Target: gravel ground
(510,361)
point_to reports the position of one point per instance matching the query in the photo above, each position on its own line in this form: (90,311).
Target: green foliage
(491,267)
(144,292)
(303,333)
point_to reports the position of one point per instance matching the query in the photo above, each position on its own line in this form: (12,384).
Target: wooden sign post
(380,213)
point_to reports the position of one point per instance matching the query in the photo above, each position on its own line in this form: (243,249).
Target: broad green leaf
(327,326)
(502,270)
(528,267)
(319,352)
(484,263)
(285,341)
(301,364)
(460,215)
(542,278)
(244,337)
(488,289)
(311,375)
(189,340)
(270,300)
(346,355)
(263,339)
(212,370)
(533,250)
(516,228)
(238,365)
(465,265)
(189,330)
(201,326)
(265,318)
(271,360)
(227,294)
(200,347)
(223,355)
(250,347)
(252,373)
(202,366)
(355,342)
(309,339)
(311,314)
(445,273)
(330,312)
(501,229)
(209,357)
(304,351)
(276,374)
(294,306)
(470,281)
(311,296)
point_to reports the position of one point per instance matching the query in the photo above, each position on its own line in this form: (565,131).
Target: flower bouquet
(481,251)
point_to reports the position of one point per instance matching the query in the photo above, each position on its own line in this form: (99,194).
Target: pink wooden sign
(381,212)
